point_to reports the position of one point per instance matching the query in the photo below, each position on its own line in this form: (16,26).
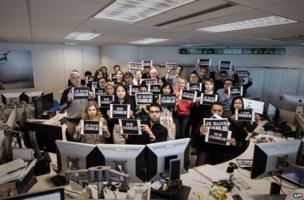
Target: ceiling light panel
(248,24)
(134,11)
(81,36)
(149,41)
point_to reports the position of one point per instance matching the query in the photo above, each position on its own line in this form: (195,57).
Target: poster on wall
(16,70)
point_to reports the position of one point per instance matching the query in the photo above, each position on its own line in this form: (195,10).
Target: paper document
(211,173)
(11,170)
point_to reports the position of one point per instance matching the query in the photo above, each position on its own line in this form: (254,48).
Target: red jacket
(183,106)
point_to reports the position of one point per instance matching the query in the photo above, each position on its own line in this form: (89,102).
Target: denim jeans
(181,124)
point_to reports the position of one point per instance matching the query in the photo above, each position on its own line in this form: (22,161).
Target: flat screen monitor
(43,103)
(11,118)
(11,98)
(129,159)
(290,102)
(272,112)
(46,135)
(256,106)
(159,156)
(28,97)
(267,156)
(52,194)
(76,156)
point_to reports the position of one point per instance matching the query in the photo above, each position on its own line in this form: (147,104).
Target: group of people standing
(159,123)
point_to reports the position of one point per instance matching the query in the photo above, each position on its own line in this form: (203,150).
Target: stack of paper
(211,173)
(12,170)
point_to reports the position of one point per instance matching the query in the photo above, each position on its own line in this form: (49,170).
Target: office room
(151,99)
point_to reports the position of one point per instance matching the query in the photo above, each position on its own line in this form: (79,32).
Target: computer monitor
(76,156)
(269,158)
(11,98)
(28,97)
(256,106)
(159,156)
(290,102)
(54,194)
(132,157)
(272,112)
(43,103)
(11,118)
(46,135)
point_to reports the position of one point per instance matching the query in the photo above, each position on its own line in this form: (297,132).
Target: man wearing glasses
(151,132)
(213,153)
(223,94)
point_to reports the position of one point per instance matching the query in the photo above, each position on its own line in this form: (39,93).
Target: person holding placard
(116,68)
(101,88)
(110,89)
(166,119)
(121,97)
(223,75)
(223,95)
(202,71)
(146,73)
(240,127)
(154,74)
(73,107)
(142,112)
(202,110)
(137,78)
(119,76)
(182,109)
(102,83)
(88,78)
(151,132)
(105,72)
(172,78)
(245,86)
(128,78)
(92,114)
(193,78)
(213,153)
(98,75)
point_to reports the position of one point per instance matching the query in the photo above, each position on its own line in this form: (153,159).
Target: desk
(241,177)
(199,183)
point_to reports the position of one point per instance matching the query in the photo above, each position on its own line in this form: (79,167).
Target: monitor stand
(58,180)
(176,190)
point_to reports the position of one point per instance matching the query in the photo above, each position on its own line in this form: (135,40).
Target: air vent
(203,12)
(292,37)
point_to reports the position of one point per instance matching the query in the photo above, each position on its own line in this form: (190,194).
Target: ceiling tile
(291,9)
(14,25)
(257,3)
(47,26)
(13,4)
(68,7)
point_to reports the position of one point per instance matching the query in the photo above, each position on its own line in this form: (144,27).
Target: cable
(243,173)
(281,184)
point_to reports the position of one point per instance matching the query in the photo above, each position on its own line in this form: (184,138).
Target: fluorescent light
(199,44)
(148,41)
(81,36)
(70,43)
(134,11)
(248,24)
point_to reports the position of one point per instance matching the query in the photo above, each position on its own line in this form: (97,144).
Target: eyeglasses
(217,110)
(154,111)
